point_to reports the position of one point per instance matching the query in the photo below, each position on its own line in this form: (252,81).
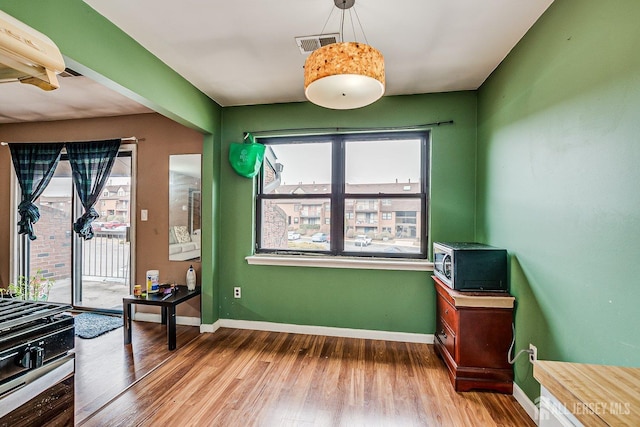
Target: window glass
(300,225)
(395,230)
(387,166)
(344,195)
(298,168)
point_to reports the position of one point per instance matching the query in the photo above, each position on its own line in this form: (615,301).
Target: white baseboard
(318,330)
(157,318)
(291,328)
(530,408)
(210,328)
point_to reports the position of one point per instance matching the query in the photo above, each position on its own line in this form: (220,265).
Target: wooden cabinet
(473,335)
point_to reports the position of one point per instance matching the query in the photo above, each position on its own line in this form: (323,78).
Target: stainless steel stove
(37,363)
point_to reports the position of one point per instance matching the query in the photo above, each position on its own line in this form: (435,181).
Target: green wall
(556,141)
(558,156)
(362,299)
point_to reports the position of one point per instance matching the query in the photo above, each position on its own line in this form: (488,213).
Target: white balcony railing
(107,254)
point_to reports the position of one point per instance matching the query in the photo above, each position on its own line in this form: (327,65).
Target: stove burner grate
(15,313)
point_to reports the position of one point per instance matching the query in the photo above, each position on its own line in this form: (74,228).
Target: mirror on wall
(184,207)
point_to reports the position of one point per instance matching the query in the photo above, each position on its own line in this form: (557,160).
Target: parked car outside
(362,240)
(113,224)
(293,235)
(319,237)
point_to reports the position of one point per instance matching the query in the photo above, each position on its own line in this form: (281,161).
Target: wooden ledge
(493,301)
(597,395)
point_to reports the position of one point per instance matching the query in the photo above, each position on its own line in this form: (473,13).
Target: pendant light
(344,75)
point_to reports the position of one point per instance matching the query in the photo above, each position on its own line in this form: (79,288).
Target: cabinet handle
(446,311)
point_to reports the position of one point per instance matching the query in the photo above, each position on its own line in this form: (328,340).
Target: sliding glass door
(94,274)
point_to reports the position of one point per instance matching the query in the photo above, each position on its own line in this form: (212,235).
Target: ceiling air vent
(68,72)
(308,44)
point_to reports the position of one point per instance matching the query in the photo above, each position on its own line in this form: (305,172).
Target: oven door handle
(19,391)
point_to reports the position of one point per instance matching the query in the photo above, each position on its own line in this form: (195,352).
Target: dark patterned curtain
(91,163)
(35,165)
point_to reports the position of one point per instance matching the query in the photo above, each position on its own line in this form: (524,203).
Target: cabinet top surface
(180,294)
(475,299)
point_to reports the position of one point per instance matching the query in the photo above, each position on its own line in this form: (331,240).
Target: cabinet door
(484,336)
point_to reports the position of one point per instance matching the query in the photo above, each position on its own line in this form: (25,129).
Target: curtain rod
(306,131)
(127,139)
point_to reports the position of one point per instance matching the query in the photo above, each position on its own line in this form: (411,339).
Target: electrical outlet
(237,292)
(533,353)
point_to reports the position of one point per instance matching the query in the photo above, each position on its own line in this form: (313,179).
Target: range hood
(27,55)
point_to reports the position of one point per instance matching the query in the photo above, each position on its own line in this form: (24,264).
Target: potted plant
(35,288)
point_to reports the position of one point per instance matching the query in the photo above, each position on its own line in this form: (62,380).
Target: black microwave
(466,266)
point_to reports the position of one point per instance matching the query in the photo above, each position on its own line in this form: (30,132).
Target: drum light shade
(344,76)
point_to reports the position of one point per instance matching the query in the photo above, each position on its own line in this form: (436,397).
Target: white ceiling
(77,98)
(244,52)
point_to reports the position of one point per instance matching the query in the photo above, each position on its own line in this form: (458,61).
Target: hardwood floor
(252,378)
(105,366)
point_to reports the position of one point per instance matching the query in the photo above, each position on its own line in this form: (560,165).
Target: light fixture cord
(327,21)
(353,26)
(342,22)
(361,27)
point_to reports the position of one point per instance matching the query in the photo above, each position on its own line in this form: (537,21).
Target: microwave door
(442,265)
(437,261)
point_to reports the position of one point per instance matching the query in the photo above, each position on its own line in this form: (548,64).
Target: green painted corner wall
(360,299)
(541,160)
(558,155)
(210,226)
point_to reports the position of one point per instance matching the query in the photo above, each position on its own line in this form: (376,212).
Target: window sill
(341,262)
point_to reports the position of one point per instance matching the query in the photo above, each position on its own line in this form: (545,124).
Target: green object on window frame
(246,158)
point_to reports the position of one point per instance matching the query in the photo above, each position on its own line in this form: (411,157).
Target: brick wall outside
(51,251)
(274,227)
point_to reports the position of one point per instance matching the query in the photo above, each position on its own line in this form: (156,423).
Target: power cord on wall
(513,342)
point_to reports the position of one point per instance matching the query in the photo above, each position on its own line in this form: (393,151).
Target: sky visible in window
(377,162)
(306,163)
(366,162)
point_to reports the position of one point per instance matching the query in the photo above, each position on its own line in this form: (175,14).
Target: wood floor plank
(105,366)
(252,378)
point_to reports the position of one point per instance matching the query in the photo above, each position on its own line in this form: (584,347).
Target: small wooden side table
(167,302)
